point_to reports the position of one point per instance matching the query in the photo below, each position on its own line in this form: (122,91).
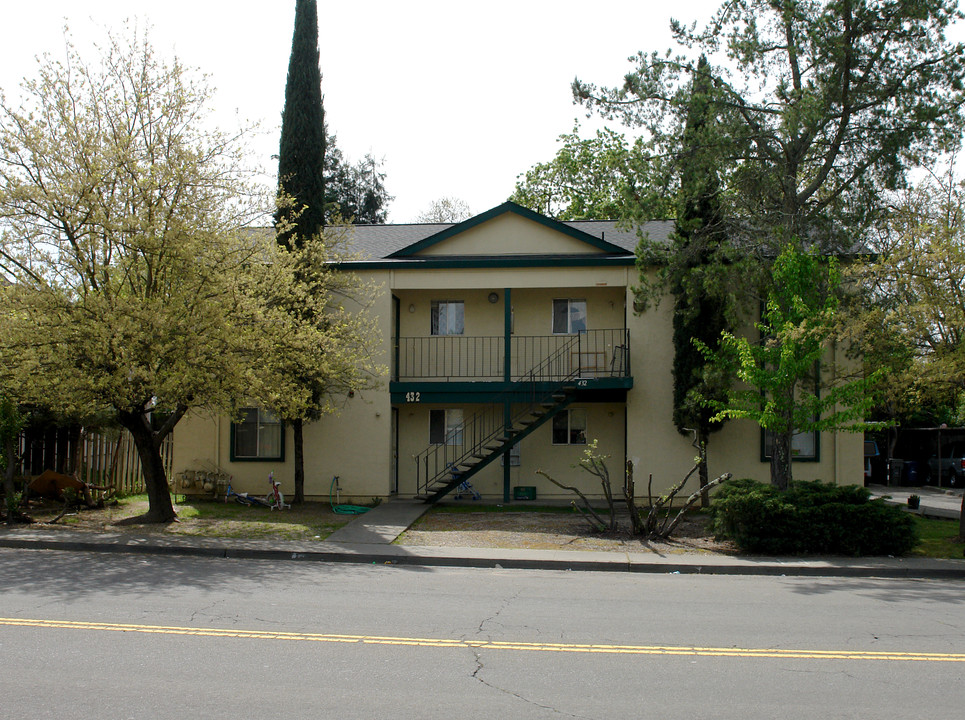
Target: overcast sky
(457,98)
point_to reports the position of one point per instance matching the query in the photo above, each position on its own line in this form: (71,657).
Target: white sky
(457,98)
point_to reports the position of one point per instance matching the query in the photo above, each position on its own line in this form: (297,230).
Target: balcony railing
(447,358)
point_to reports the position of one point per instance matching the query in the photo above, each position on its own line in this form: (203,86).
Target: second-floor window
(569,316)
(448,317)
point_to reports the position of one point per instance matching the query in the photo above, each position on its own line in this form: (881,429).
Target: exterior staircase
(488,434)
(473,458)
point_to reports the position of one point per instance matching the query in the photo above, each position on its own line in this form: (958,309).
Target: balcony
(588,355)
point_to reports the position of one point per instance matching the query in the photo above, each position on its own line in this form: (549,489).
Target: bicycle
(245,498)
(276,499)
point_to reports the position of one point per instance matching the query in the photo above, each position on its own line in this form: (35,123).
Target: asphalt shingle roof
(377,242)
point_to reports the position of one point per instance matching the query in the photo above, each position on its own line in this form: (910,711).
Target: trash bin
(912,476)
(896,467)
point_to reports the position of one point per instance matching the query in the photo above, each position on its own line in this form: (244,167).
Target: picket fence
(100,459)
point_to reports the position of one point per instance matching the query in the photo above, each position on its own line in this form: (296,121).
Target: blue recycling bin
(912,473)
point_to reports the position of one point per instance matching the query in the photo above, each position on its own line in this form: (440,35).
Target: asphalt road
(121,636)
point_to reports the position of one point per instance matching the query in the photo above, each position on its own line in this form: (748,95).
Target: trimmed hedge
(810,517)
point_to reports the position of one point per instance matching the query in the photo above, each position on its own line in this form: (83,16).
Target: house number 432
(413,397)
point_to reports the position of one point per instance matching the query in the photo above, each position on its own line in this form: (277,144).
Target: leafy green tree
(915,304)
(136,289)
(301,152)
(781,385)
(821,106)
(601,178)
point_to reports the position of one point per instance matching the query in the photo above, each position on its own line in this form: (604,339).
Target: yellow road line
(491,644)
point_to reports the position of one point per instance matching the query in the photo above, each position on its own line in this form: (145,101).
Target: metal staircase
(544,392)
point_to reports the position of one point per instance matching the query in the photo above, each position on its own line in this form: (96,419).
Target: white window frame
(450,312)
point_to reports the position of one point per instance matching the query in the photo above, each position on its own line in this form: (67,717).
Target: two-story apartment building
(511,342)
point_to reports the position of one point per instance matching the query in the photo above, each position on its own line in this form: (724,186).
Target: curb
(891,569)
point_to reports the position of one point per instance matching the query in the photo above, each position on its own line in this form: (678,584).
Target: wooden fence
(105,459)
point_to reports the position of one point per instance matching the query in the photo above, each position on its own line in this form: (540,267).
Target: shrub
(810,517)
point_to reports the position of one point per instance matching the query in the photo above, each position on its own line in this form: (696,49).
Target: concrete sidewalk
(367,539)
(934,502)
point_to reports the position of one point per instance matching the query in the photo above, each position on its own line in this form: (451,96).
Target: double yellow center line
(480,644)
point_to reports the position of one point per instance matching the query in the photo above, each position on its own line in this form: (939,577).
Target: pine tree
(699,237)
(300,217)
(301,153)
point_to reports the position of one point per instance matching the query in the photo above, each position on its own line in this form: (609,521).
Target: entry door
(394,467)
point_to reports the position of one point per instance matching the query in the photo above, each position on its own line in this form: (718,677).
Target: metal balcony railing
(447,358)
(485,434)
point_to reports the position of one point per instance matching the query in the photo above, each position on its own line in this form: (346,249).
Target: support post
(507,379)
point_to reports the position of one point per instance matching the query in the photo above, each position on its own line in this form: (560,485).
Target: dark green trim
(424,393)
(507,207)
(397,310)
(231,447)
(494,261)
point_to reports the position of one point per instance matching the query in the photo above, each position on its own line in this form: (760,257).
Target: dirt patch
(203,518)
(551,531)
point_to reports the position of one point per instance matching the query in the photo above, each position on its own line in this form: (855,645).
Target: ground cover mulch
(563,530)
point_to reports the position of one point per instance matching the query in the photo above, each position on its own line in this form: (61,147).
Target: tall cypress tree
(301,166)
(700,313)
(301,153)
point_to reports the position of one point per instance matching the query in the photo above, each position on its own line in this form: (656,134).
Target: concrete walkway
(367,539)
(934,502)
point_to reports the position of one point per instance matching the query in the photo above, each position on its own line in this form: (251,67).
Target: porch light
(493,298)
(411,307)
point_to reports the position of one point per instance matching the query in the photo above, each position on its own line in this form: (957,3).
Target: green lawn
(939,539)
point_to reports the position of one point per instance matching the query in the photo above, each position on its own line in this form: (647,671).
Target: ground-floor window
(259,436)
(804,445)
(569,428)
(445,427)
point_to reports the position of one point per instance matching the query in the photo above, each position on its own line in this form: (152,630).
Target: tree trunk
(702,473)
(297,427)
(781,460)
(148,445)
(10,469)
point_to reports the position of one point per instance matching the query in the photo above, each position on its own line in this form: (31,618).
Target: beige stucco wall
(537,451)
(736,448)
(353,442)
(509,234)
(357,443)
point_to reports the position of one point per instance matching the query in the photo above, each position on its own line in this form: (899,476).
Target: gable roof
(507,207)
(608,242)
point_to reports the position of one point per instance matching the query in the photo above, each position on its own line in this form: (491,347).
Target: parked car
(952,465)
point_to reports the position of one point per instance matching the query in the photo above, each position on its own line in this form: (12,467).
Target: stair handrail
(497,421)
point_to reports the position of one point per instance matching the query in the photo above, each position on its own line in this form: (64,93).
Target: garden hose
(344,509)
